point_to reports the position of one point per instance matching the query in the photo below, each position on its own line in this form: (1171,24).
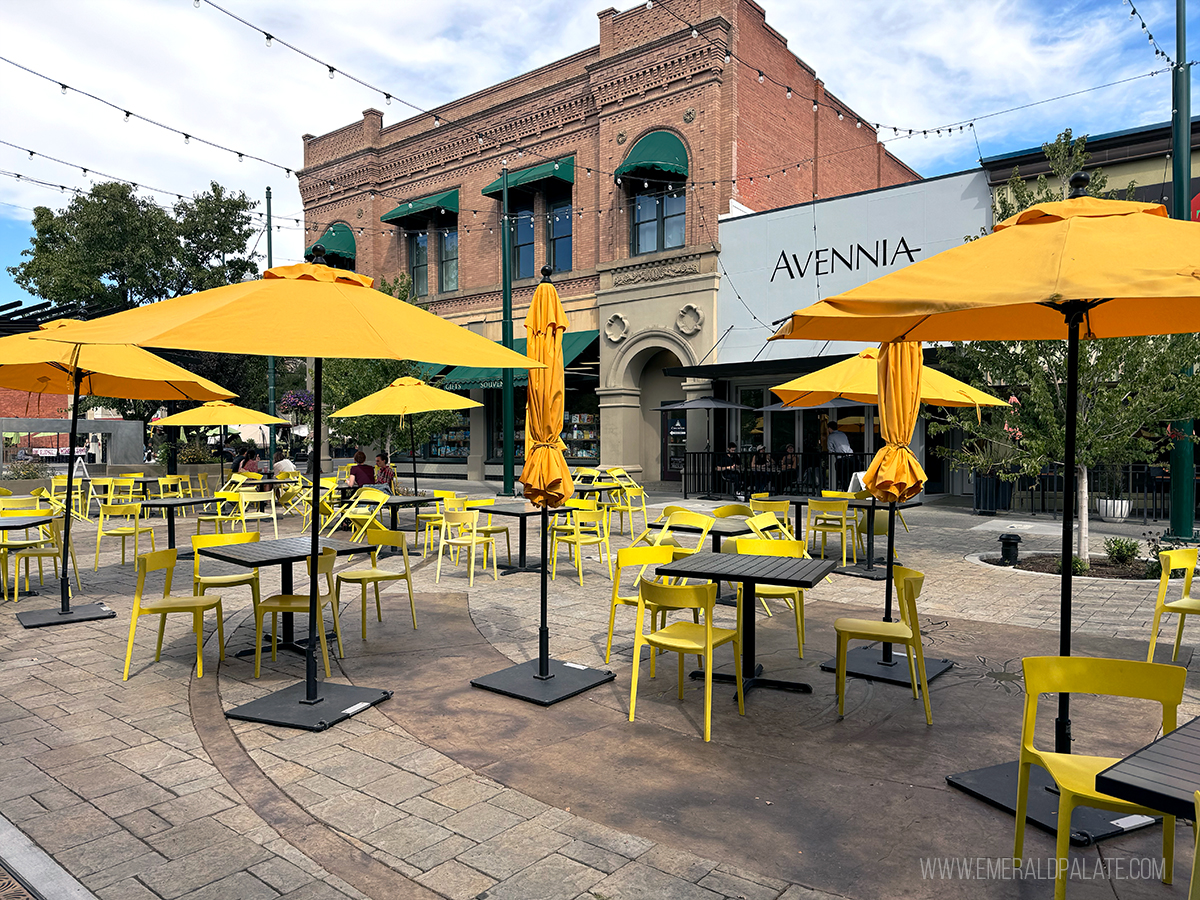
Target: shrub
(1156,542)
(1078,566)
(1121,551)
(27,468)
(195,454)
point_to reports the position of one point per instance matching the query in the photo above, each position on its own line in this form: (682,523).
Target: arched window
(655,175)
(338,241)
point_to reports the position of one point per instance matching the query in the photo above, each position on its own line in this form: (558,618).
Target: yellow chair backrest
(1177,559)
(5,492)
(462,518)
(641,557)
(828,508)
(766,525)
(908,584)
(454,503)
(688,519)
(846,495)
(680,596)
(668,511)
(776,506)
(219,540)
(385,537)
(156,561)
(111,510)
(767,547)
(733,509)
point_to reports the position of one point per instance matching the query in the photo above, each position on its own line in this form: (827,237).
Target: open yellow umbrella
(116,370)
(1112,268)
(403,397)
(857,379)
(547,482)
(302,310)
(223,413)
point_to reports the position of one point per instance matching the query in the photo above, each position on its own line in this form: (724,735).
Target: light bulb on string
(196,3)
(839,115)
(814,107)
(268,37)
(127,117)
(332,70)
(187,138)
(695,34)
(760,76)
(64,88)
(726,59)
(789,93)
(858,123)
(241,158)
(387,99)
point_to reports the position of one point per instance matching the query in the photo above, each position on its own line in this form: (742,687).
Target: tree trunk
(1081,545)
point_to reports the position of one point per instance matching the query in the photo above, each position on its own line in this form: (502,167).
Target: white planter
(1113,510)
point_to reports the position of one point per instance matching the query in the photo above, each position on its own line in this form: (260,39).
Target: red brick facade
(647,73)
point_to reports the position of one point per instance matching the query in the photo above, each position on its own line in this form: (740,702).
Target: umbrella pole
(66,547)
(310,656)
(887,606)
(221,454)
(1062,724)
(543,672)
(412,439)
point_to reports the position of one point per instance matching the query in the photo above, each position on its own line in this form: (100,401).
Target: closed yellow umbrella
(302,310)
(117,370)
(403,397)
(857,379)
(1110,268)
(894,474)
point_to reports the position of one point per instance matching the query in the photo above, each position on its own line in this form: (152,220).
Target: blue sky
(921,64)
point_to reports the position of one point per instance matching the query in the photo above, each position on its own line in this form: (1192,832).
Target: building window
(448,264)
(658,221)
(558,236)
(522,247)
(418,263)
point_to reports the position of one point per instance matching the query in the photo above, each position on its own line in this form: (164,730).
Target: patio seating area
(449,791)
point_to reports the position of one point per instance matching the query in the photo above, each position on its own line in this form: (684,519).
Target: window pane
(673,232)
(645,209)
(420,248)
(524,264)
(560,250)
(523,232)
(560,237)
(448,274)
(420,280)
(647,237)
(674,204)
(418,259)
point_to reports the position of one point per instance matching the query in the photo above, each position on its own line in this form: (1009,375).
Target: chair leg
(378,604)
(324,644)
(162,626)
(412,603)
(798,608)
(258,629)
(633,677)
(679,679)
(129,646)
(1174,653)
(842,641)
(1154,640)
(708,674)
(337,630)
(920,653)
(220,630)
(1062,843)
(1022,800)
(198,627)
(612,621)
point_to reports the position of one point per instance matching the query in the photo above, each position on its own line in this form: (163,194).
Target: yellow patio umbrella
(894,474)
(223,413)
(547,482)
(117,370)
(857,379)
(1111,268)
(403,397)
(312,310)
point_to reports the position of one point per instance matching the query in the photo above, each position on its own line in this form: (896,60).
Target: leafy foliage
(1121,551)
(1078,566)
(26,468)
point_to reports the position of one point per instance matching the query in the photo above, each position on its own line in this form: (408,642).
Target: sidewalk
(143,789)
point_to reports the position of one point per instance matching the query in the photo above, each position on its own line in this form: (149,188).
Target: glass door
(674,444)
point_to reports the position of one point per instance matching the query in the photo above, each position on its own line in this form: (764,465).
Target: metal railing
(817,471)
(1146,487)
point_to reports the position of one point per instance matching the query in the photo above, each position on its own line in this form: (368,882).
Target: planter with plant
(1112,504)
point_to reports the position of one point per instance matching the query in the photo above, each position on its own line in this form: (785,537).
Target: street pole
(506,335)
(270,359)
(1183,461)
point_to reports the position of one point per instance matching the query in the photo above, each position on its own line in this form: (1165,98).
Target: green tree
(214,230)
(1129,388)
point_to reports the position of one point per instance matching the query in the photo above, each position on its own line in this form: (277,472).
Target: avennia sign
(856,256)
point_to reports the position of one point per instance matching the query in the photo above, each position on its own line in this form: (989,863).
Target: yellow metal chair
(58,490)
(684,637)
(1185,606)
(1074,773)
(589,528)
(767,525)
(100,492)
(659,519)
(325,504)
(779,507)
(299,603)
(908,584)
(827,517)
(733,511)
(489,528)
(629,558)
(259,506)
(201,582)
(168,487)
(124,489)
(792,597)
(629,499)
(51,550)
(689,519)
(230,509)
(432,521)
(164,561)
(566,525)
(10,544)
(467,538)
(379,537)
(131,515)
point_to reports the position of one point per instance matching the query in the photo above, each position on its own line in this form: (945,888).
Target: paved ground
(143,789)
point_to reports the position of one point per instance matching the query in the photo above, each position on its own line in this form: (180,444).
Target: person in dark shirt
(360,473)
(729,468)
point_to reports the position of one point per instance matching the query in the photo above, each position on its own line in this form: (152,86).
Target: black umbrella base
(997,786)
(287,707)
(521,681)
(867,662)
(42,618)
(877,572)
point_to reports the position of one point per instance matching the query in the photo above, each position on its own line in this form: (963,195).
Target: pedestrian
(839,447)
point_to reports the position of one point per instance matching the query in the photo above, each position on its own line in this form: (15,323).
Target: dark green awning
(463,377)
(562,169)
(658,154)
(423,208)
(338,240)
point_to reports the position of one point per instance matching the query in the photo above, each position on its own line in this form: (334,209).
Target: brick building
(620,160)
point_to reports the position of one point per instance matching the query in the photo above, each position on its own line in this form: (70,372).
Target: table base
(289,709)
(87,612)
(867,662)
(997,786)
(877,572)
(749,683)
(300,647)
(521,681)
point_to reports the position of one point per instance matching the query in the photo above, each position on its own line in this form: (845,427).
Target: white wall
(784,260)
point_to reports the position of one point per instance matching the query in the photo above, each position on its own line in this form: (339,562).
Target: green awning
(423,208)
(338,240)
(561,169)
(426,371)
(658,154)
(462,378)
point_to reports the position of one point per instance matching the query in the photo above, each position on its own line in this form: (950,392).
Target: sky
(922,64)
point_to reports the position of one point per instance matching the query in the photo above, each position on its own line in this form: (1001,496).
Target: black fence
(1147,489)
(817,472)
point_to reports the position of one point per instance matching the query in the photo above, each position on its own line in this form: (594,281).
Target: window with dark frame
(658,221)
(448,262)
(418,263)
(558,236)
(522,241)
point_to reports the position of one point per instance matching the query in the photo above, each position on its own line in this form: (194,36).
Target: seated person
(282,463)
(789,466)
(760,463)
(729,467)
(250,462)
(384,475)
(360,473)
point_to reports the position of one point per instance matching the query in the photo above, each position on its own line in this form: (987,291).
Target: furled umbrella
(313,310)
(1108,268)
(222,413)
(119,369)
(406,396)
(547,483)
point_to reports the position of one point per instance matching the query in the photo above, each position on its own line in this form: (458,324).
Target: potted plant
(1112,504)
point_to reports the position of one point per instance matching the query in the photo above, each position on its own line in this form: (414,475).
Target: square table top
(13,522)
(520,510)
(722,526)
(781,570)
(278,552)
(1163,775)
(175,502)
(865,503)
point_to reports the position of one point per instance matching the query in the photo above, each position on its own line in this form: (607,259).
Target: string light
(789,92)
(332,70)
(268,37)
(64,89)
(760,76)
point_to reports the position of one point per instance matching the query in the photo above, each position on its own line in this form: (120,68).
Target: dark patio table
(282,552)
(1163,775)
(12,523)
(522,512)
(751,571)
(170,504)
